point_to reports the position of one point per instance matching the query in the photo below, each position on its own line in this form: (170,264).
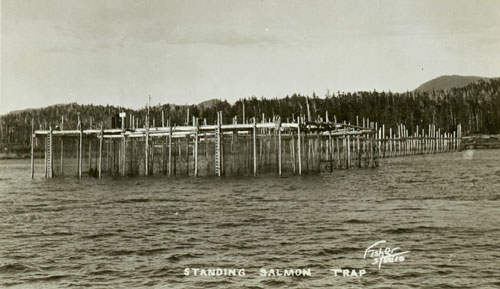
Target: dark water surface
(143,232)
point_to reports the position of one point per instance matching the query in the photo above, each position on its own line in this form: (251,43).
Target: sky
(119,52)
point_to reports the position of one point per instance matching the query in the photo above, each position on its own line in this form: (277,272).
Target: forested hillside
(446,82)
(475,106)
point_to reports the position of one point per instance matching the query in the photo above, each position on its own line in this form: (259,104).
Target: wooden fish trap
(268,147)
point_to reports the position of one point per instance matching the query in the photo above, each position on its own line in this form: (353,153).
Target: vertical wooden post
(292,151)
(146,152)
(318,150)
(90,151)
(80,149)
(107,155)
(48,156)
(416,142)
(360,149)
(62,147)
(134,166)
(261,152)
(372,147)
(408,141)
(357,148)
(423,145)
(233,157)
(438,140)
(390,142)
(100,151)
(337,144)
(152,155)
(244,117)
(445,141)
(124,171)
(187,154)
(196,153)
(299,146)
(279,146)
(120,146)
(344,148)
(218,166)
(32,138)
(275,143)
(348,163)
(179,155)
(163,162)
(195,149)
(307,148)
(169,148)
(434,135)
(330,149)
(454,142)
(383,141)
(254,135)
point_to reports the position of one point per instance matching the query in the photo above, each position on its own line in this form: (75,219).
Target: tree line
(476,107)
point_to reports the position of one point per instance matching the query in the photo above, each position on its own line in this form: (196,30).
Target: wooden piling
(62,146)
(32,138)
(46,155)
(337,145)
(244,117)
(348,163)
(279,147)
(318,140)
(90,151)
(372,149)
(299,147)
(100,151)
(124,156)
(50,157)
(80,151)
(306,148)
(170,149)
(254,136)
(187,154)
(292,152)
(195,151)
(218,151)
(146,152)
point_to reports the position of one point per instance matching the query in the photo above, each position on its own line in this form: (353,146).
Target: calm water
(143,232)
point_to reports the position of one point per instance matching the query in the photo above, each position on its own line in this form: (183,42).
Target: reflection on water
(144,232)
(468,154)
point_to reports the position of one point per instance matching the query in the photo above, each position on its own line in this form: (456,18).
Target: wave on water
(143,232)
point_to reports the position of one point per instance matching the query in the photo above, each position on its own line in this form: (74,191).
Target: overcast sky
(119,51)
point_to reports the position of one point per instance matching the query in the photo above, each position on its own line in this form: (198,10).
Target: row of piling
(250,148)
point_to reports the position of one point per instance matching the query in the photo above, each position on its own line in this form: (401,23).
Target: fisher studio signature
(385,255)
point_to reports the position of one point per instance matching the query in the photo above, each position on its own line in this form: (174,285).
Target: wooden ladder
(218,151)
(48,149)
(218,145)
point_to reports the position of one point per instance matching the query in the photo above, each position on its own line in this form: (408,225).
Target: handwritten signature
(384,255)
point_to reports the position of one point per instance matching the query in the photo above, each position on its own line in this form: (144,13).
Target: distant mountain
(447,82)
(209,103)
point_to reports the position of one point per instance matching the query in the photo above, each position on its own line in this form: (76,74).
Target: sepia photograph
(249,144)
